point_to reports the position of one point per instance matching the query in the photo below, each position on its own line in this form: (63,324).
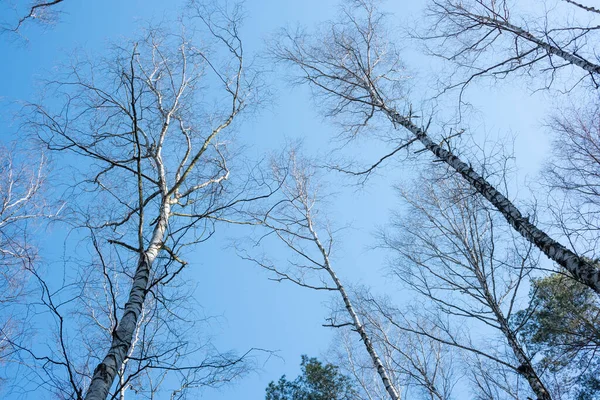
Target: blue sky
(256,312)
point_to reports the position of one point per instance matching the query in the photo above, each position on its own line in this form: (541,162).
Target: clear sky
(256,312)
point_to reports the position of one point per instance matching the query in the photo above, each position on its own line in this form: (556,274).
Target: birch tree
(453,251)
(21,191)
(423,367)
(156,177)
(23,206)
(488,38)
(356,71)
(349,355)
(171,353)
(571,175)
(293,219)
(555,47)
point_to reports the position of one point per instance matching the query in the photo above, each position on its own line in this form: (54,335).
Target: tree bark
(105,373)
(525,367)
(356,322)
(584,270)
(557,51)
(385,379)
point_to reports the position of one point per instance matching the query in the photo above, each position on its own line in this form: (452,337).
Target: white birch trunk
(557,51)
(381,370)
(584,270)
(105,373)
(525,367)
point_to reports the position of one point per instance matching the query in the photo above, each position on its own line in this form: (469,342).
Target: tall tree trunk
(381,370)
(106,371)
(356,322)
(551,49)
(583,269)
(525,367)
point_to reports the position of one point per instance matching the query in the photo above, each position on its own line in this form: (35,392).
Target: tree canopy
(317,381)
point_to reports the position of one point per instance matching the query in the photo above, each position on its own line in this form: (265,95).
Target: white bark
(381,370)
(487,38)
(557,51)
(356,72)
(452,254)
(584,270)
(106,371)
(291,220)
(525,367)
(153,93)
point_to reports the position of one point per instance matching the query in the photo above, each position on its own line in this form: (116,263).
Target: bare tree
(294,221)
(572,176)
(156,172)
(499,38)
(355,69)
(427,365)
(480,366)
(352,359)
(424,367)
(453,251)
(555,43)
(171,351)
(23,206)
(21,191)
(40,11)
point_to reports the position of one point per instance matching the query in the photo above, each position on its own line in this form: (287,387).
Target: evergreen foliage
(318,381)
